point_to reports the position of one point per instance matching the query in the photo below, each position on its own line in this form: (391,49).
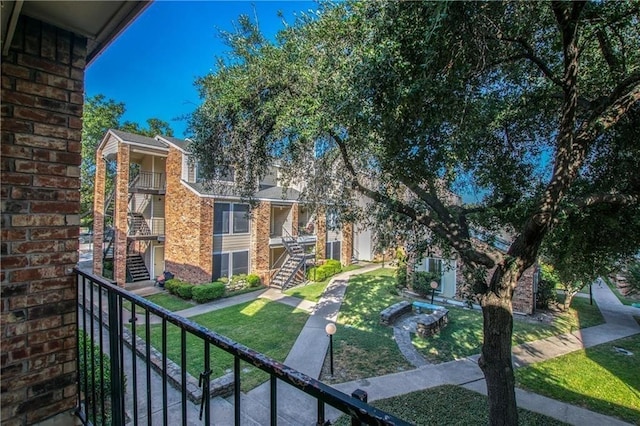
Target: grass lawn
(599,378)
(363,347)
(267,327)
(626,300)
(462,337)
(450,405)
(314,290)
(170,302)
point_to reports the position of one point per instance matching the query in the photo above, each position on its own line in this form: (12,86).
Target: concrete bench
(429,324)
(393,312)
(419,306)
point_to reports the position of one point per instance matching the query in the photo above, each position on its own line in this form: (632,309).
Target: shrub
(185,290)
(401,276)
(547,285)
(253,280)
(422,282)
(90,369)
(172,285)
(207,292)
(322,272)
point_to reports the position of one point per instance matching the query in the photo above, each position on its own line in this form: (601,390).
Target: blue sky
(152,66)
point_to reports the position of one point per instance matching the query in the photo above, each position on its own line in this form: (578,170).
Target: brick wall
(98,213)
(121,215)
(321,235)
(259,251)
(346,247)
(42,95)
(188,227)
(523,301)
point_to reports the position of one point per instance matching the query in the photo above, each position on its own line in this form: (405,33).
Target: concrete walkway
(308,353)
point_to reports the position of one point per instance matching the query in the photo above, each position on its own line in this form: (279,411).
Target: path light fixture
(433,285)
(330,328)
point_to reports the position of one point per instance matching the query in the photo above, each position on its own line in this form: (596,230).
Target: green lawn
(626,300)
(170,302)
(599,378)
(268,327)
(462,337)
(313,291)
(448,405)
(363,347)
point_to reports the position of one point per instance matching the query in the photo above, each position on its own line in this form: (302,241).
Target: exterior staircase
(138,224)
(291,272)
(136,269)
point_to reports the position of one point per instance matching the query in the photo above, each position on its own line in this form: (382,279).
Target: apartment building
(161,215)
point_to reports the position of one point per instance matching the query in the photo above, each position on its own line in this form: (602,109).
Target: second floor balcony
(148,181)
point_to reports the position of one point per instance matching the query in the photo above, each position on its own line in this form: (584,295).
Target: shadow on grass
(448,405)
(602,378)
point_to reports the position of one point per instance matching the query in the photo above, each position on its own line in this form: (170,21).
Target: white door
(158,261)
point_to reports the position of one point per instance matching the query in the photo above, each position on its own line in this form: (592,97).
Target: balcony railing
(149,180)
(141,226)
(138,384)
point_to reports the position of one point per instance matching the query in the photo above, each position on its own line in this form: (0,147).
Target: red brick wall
(522,301)
(346,247)
(321,235)
(42,95)
(121,215)
(98,213)
(188,227)
(259,250)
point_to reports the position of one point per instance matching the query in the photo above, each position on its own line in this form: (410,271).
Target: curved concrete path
(308,353)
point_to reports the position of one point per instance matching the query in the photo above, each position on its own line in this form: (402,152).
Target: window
(240,263)
(230,218)
(220,265)
(221,218)
(333,250)
(434,266)
(240,218)
(228,264)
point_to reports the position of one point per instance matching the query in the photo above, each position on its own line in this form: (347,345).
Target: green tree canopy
(531,107)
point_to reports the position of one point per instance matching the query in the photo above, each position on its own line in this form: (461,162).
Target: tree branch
(531,56)
(611,198)
(462,245)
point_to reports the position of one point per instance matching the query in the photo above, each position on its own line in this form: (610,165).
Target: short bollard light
(330,328)
(433,285)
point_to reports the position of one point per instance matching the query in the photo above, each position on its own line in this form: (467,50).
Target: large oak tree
(530,109)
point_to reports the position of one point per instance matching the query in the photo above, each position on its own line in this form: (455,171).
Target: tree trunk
(495,360)
(568,298)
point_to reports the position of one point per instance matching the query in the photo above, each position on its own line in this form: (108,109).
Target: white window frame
(230,257)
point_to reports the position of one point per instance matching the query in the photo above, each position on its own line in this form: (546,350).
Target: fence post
(117,407)
(362,396)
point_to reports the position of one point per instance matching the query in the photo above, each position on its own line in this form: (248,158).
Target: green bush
(185,290)
(253,280)
(401,276)
(422,282)
(324,271)
(207,292)
(90,357)
(547,285)
(172,285)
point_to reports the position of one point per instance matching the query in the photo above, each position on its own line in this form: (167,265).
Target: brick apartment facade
(188,208)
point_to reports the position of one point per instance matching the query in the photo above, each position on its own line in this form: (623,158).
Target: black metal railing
(124,379)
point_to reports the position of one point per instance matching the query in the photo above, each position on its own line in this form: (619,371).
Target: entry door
(158,261)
